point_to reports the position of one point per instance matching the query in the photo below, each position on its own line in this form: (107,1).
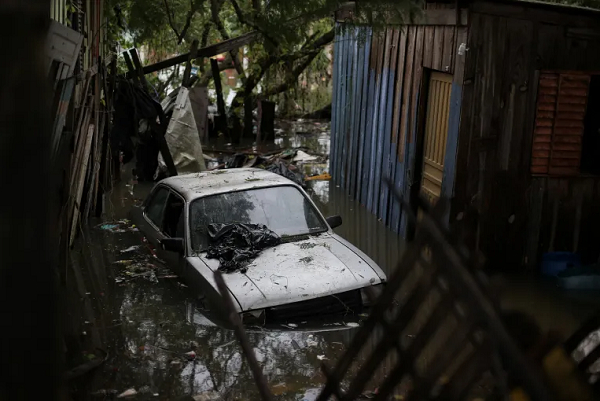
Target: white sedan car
(312,273)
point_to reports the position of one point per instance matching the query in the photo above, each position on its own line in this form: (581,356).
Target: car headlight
(369,295)
(254,317)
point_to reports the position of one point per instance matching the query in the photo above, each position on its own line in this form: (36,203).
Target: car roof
(197,185)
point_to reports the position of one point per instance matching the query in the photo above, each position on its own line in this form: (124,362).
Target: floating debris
(304,157)
(120,226)
(131,249)
(127,393)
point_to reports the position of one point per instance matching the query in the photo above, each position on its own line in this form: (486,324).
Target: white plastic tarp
(188,119)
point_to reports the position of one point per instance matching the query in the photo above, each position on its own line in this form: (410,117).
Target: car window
(173,221)
(284,209)
(154,209)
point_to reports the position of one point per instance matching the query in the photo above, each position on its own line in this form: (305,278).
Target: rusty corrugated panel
(436,133)
(558,132)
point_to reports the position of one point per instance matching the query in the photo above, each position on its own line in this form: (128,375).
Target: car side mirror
(173,245)
(334,221)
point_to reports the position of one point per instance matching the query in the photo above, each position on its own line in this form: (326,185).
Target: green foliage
(292,35)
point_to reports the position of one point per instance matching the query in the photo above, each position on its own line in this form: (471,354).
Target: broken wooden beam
(208,51)
(138,68)
(188,65)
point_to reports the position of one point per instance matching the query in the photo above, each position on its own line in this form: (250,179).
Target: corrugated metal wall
(377,84)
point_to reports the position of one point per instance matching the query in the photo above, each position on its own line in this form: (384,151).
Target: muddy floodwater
(162,344)
(151,322)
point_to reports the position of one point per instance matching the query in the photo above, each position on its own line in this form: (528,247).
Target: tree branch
(269,60)
(215,7)
(170,18)
(203,41)
(242,18)
(194,6)
(293,77)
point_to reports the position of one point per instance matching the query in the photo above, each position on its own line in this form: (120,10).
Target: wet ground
(150,321)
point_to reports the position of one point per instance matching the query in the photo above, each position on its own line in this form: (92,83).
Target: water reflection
(158,323)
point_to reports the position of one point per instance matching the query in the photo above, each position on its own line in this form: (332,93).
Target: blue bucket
(555,262)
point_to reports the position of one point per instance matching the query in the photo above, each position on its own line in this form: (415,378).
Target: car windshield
(284,210)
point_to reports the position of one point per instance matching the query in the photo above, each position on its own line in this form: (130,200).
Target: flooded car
(312,273)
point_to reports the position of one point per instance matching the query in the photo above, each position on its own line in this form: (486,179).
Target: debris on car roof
(236,244)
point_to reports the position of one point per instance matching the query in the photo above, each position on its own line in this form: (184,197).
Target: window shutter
(561,106)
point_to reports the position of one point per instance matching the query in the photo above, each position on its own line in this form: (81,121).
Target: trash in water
(190,356)
(109,227)
(131,249)
(321,357)
(120,226)
(304,157)
(352,324)
(288,153)
(124,262)
(318,177)
(127,393)
(235,245)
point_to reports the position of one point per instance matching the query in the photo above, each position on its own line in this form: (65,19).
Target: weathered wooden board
(449,49)
(407,91)
(398,85)
(429,46)
(546,13)
(438,48)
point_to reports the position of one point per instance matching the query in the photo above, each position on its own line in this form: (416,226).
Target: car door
(173,227)
(152,215)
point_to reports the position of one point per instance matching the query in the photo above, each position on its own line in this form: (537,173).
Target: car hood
(298,271)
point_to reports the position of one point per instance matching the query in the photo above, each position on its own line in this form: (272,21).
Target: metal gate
(436,134)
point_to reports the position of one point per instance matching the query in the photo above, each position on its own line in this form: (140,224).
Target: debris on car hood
(279,167)
(235,244)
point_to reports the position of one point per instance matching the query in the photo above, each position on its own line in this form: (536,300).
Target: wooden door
(436,134)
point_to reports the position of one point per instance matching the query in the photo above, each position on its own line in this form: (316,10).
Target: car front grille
(345,303)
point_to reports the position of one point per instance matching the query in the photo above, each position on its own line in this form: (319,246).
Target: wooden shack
(491,104)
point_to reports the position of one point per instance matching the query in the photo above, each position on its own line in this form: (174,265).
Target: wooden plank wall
(377,84)
(498,207)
